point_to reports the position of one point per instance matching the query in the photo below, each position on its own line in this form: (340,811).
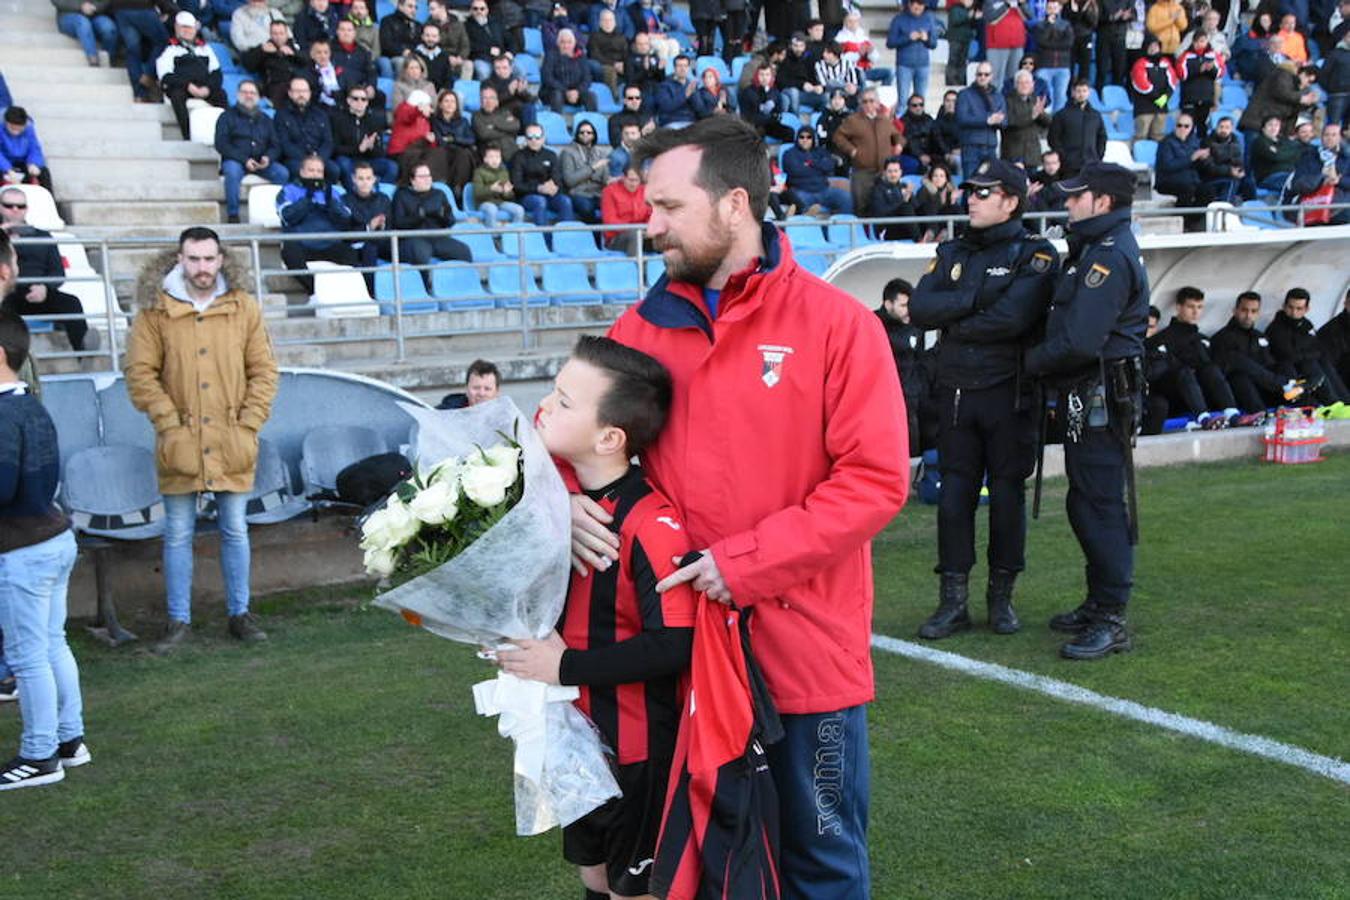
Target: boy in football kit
(621,642)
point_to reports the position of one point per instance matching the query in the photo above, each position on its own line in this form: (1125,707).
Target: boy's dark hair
(363,164)
(481,367)
(1188,293)
(640,389)
(197,233)
(16,115)
(895,287)
(1154,312)
(1297,293)
(733,157)
(1248,295)
(14,339)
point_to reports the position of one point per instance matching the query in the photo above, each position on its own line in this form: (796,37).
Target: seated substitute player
(622,643)
(1193,383)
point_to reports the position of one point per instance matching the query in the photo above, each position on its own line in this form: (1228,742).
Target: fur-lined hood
(237,272)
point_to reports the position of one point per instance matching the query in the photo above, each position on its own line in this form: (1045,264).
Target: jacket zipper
(956,407)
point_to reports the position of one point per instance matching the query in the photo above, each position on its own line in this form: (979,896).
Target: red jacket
(619,206)
(410,126)
(785,452)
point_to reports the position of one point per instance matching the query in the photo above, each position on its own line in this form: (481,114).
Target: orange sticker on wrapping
(413,618)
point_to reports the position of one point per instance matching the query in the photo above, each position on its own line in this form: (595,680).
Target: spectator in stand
(772,55)
(1293,44)
(513,91)
(891,198)
(354,62)
(188,69)
(316,22)
(866,139)
(1273,156)
(913,360)
(808,168)
(312,204)
(1177,171)
(1335,78)
(304,130)
(1005,33)
(487,39)
(631,114)
(937,197)
(856,47)
(412,79)
(400,32)
(21,157)
(1117,17)
(247,144)
(88,23)
(981,113)
(566,75)
(704,15)
(608,51)
(141,28)
(963,22)
(949,129)
(623,23)
(645,69)
(368,35)
(1055,42)
(329,83)
(40,261)
(1296,348)
(1084,16)
(358,136)
(1200,68)
(455,136)
(1335,339)
(795,77)
(1040,86)
(1212,29)
(913,34)
(1222,170)
(647,20)
(493,191)
(834,73)
(1166,20)
(412,142)
(624,202)
(1153,78)
(1026,122)
(921,133)
(534,173)
(1192,382)
(278,60)
(482,382)
(583,168)
(370,210)
(763,106)
(1078,132)
(494,125)
(454,39)
(711,98)
(1243,352)
(1282,93)
(1323,174)
(1043,191)
(620,158)
(827,123)
(511,15)
(434,57)
(421,206)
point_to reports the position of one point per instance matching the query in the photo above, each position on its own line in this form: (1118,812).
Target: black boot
(1075,620)
(952,615)
(998,598)
(1106,635)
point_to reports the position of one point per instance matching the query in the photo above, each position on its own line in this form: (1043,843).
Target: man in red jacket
(785,453)
(624,202)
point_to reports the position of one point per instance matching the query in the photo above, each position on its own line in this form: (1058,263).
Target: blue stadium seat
(598,121)
(655,267)
(1146,152)
(737,65)
(791,121)
(469,204)
(814,263)
(1266,221)
(678,19)
(1234,96)
(556,133)
(415,299)
(712,62)
(112,491)
(604,103)
(843,236)
(1119,128)
(915,182)
(533,241)
(575,243)
(1117,99)
(528,67)
(1095,101)
(458,288)
(388,188)
(228,65)
(468,93)
(534,42)
(617,280)
(569,285)
(39,326)
(460,214)
(481,247)
(504,284)
(806,234)
(229,83)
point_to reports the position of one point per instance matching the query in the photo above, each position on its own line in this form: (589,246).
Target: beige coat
(205,380)
(867,142)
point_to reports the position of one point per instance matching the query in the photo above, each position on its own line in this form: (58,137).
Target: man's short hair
(1310,71)
(1154,312)
(317,41)
(197,233)
(247,81)
(684,57)
(640,389)
(1080,82)
(732,157)
(14,338)
(1188,293)
(16,115)
(895,287)
(481,367)
(1297,293)
(1247,295)
(1222,119)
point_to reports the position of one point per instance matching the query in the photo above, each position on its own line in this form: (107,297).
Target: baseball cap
(185,18)
(1102,178)
(1001,174)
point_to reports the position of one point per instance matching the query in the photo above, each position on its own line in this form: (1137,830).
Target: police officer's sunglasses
(984,193)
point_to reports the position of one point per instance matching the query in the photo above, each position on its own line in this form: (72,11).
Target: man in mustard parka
(200,365)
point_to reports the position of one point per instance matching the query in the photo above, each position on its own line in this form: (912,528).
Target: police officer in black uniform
(988,291)
(1094,343)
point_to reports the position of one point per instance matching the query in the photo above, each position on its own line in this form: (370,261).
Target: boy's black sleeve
(651,654)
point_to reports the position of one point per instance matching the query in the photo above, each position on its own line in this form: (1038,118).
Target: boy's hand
(535,660)
(593,544)
(703,576)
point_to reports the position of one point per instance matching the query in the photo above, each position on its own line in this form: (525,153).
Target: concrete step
(53,39)
(176,213)
(68,130)
(20,54)
(71,93)
(115,150)
(105,115)
(77,71)
(441,373)
(144,173)
(28,20)
(86,189)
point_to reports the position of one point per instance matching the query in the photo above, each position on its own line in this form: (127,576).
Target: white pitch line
(1256,745)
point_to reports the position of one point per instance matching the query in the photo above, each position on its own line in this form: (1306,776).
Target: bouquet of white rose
(478,544)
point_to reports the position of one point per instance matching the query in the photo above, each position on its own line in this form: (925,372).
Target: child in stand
(493,192)
(621,642)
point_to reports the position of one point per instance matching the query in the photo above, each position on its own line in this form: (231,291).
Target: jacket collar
(174,289)
(994,234)
(1098,226)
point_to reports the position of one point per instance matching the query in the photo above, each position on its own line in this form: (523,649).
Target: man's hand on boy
(535,660)
(594,546)
(702,575)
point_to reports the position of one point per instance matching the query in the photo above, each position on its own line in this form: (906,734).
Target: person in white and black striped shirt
(836,73)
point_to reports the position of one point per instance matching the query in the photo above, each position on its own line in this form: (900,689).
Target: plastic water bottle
(1270,439)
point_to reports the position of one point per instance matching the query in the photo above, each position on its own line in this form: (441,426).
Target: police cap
(1000,174)
(1103,179)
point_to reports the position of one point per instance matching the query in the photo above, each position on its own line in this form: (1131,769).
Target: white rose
(380,562)
(486,485)
(436,504)
(403,525)
(504,456)
(375,531)
(445,470)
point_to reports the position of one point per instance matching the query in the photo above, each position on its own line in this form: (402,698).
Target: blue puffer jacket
(241,137)
(1174,166)
(909,52)
(808,170)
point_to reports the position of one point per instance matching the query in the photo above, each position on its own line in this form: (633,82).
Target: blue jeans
(85,30)
(386,170)
(587,209)
(501,212)
(234,173)
(180,525)
(880,75)
(145,38)
(971,157)
(537,207)
(33,583)
(912,80)
(822,771)
(796,98)
(835,200)
(1058,80)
